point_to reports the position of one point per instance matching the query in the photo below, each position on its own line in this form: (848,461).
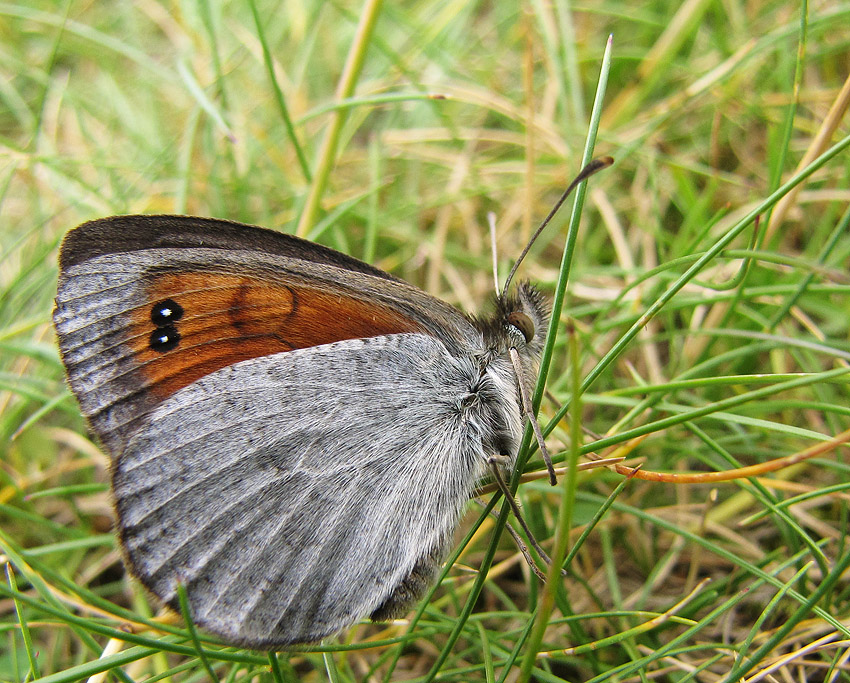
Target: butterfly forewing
(137,324)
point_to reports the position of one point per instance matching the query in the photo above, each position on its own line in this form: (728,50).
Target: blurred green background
(458,109)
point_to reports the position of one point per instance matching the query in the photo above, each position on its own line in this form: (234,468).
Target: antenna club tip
(592,167)
(598,164)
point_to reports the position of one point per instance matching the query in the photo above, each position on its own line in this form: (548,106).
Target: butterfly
(293,433)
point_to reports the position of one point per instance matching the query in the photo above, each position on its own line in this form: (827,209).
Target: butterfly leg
(528,409)
(495,461)
(520,544)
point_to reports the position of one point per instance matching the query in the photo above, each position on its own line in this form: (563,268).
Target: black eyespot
(165,338)
(523,323)
(166,311)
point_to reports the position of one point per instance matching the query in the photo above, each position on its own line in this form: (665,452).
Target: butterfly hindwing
(291,494)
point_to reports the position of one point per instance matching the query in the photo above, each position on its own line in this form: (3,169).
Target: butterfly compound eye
(523,323)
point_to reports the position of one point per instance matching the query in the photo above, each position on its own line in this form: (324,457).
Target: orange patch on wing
(231,318)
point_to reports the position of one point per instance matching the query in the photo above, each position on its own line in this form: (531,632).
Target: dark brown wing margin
(136,233)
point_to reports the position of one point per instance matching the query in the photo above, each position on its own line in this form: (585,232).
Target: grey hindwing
(291,494)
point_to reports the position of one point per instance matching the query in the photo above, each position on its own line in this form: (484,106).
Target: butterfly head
(520,321)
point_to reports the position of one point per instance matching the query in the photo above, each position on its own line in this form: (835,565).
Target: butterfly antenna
(491,221)
(586,172)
